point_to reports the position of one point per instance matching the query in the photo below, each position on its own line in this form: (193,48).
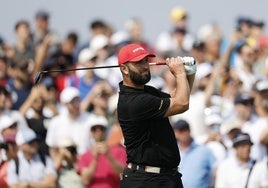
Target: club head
(37,77)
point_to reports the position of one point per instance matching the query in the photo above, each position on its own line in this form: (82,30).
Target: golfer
(152,152)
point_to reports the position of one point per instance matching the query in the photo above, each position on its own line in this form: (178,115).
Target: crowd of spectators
(63,131)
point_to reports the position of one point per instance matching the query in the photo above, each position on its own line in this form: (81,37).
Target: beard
(139,79)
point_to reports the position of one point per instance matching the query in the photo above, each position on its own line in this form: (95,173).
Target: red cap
(133,53)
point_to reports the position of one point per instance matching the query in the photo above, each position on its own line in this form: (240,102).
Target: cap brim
(242,142)
(140,57)
(37,139)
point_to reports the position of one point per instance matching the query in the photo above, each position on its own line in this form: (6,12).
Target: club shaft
(98,67)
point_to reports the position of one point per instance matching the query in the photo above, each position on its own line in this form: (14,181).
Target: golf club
(38,75)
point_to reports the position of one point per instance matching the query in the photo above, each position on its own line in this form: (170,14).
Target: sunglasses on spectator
(98,127)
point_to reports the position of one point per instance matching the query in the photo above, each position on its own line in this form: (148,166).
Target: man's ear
(124,69)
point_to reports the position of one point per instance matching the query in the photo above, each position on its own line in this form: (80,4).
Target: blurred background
(76,15)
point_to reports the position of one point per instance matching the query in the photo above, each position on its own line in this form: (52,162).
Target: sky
(76,15)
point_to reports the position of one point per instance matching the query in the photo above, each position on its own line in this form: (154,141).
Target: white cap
(25,136)
(98,42)
(207,32)
(68,94)
(5,122)
(164,43)
(66,142)
(262,85)
(85,55)
(119,37)
(203,70)
(213,119)
(226,127)
(98,120)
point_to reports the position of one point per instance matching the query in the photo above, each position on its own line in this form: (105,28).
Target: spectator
(101,46)
(255,129)
(165,43)
(134,28)
(96,27)
(96,101)
(63,58)
(261,66)
(71,122)
(33,109)
(41,26)
(244,70)
(4,111)
(8,147)
(20,83)
(3,69)
(101,165)
(87,79)
(67,164)
(42,30)
(23,49)
(8,126)
(236,170)
(214,140)
(190,152)
(197,103)
(243,110)
(210,35)
(30,169)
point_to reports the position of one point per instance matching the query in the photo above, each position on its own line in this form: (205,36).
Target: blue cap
(181,124)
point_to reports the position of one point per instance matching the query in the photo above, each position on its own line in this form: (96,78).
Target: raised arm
(184,76)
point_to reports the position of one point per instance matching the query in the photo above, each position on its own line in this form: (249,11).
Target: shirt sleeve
(12,177)
(50,137)
(149,107)
(50,167)
(220,177)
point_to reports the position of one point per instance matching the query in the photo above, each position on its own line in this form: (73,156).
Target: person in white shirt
(70,123)
(30,169)
(235,171)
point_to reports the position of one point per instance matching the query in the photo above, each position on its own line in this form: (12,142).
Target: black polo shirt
(149,137)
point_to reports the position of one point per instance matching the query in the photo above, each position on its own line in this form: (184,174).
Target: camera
(4,146)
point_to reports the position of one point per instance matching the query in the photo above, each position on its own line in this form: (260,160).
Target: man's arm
(179,102)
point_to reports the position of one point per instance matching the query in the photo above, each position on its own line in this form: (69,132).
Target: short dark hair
(3,90)
(97,24)
(21,22)
(72,36)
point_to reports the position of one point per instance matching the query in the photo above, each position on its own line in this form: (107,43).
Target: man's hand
(176,66)
(189,65)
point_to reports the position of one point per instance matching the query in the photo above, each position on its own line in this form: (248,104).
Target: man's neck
(130,84)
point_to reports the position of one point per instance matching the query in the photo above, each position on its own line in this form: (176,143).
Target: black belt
(152,169)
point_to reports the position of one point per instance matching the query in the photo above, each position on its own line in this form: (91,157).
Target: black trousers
(139,179)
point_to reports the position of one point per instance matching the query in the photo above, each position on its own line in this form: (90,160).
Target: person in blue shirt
(197,161)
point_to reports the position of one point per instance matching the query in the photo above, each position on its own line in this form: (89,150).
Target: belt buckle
(152,169)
